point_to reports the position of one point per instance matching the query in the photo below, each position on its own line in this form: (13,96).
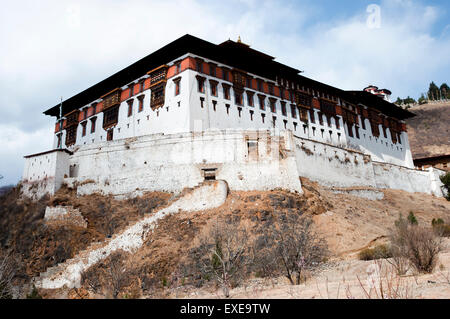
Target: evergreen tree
(445,91)
(422,99)
(433,92)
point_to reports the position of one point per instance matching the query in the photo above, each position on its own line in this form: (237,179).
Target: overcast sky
(51,49)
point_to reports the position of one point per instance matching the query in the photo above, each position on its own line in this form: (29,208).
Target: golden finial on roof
(239,39)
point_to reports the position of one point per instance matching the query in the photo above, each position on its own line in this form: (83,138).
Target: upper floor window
(271,92)
(177,85)
(141,103)
(260,86)
(213,85)
(272,102)
(283,108)
(226,91)
(132,89)
(199,65)
(248,81)
(237,97)
(141,86)
(262,105)
(130,107)
(178,67)
(201,84)
(225,74)
(293,111)
(212,69)
(83,126)
(93,121)
(250,98)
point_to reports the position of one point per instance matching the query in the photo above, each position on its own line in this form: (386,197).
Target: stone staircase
(206,195)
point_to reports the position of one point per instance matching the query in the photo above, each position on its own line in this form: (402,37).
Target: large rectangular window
(226,91)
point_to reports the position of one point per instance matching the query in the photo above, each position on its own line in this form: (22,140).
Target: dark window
(237,97)
(177,86)
(141,86)
(93,120)
(312,116)
(225,74)
(226,91)
(131,89)
(178,67)
(271,92)
(293,111)
(130,108)
(110,116)
(212,69)
(109,135)
(157,96)
(260,86)
(71,135)
(213,85)
(201,84)
(85,114)
(283,108)
(141,103)
(251,115)
(262,105)
(250,98)
(83,126)
(272,102)
(199,66)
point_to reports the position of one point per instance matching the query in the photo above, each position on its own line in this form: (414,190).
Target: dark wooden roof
(385,107)
(235,54)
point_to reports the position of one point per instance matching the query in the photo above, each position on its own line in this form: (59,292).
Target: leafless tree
(118,275)
(295,246)
(418,244)
(224,255)
(108,278)
(7,273)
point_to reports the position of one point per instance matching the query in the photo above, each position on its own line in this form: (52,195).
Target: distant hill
(429,130)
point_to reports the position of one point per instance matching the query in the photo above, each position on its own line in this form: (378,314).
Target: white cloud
(16,143)
(58,48)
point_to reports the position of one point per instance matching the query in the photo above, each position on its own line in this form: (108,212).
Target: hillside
(162,267)
(429,130)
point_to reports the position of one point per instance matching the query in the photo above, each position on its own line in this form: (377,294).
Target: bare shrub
(7,273)
(223,255)
(440,228)
(417,244)
(292,247)
(378,252)
(108,278)
(383,282)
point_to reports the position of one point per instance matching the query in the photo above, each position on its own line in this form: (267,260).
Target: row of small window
(247,81)
(84,126)
(140,105)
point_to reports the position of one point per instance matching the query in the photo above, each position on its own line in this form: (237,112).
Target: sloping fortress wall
(247,160)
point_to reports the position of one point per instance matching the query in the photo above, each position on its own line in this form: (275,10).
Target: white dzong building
(191,86)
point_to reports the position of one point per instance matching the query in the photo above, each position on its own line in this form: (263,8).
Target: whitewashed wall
(44,173)
(173,162)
